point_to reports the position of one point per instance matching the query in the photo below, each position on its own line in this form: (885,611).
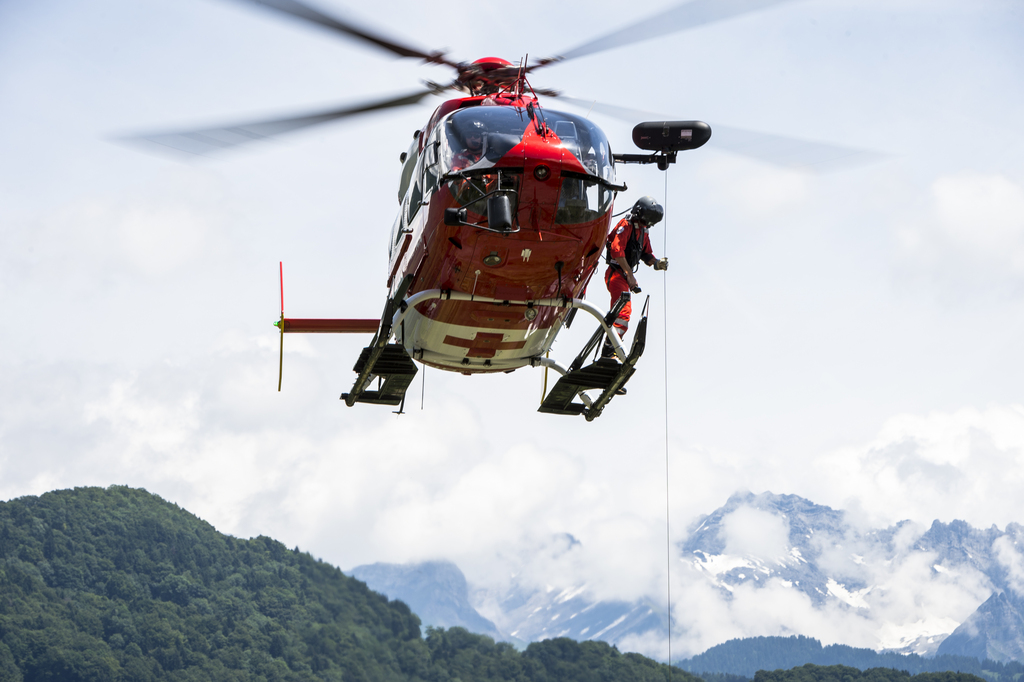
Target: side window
(409,165)
(424,177)
(412,201)
(431,167)
(396,234)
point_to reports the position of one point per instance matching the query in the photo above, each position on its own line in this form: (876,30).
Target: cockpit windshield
(585,140)
(477,137)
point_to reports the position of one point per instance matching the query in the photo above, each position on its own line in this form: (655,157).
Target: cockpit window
(583,199)
(471,191)
(478,137)
(585,140)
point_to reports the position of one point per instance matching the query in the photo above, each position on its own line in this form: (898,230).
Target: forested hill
(744,657)
(118,584)
(842,673)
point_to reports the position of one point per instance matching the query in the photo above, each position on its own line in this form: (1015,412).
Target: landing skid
(394,371)
(393,368)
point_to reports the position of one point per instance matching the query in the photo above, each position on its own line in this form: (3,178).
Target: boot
(607,352)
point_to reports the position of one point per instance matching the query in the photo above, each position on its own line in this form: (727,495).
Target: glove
(636,289)
(661,264)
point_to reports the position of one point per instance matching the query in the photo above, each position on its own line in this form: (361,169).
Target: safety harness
(634,246)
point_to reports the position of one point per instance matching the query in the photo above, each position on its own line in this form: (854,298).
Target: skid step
(394,370)
(605,375)
(598,375)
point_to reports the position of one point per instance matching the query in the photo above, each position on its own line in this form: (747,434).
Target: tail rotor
(280,323)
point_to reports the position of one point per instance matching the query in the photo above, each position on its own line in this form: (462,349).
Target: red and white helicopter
(505,209)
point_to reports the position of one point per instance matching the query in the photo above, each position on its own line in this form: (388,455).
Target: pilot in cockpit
(474,146)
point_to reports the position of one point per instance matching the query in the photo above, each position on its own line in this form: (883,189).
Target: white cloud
(1011,558)
(158,240)
(971,232)
(961,465)
(984,215)
(750,531)
(149,231)
(212,436)
(381,488)
(752,189)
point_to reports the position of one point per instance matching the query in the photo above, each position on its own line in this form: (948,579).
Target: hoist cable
(668,534)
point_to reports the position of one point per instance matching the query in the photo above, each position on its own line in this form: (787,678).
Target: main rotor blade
(777,150)
(679,18)
(302,11)
(208,140)
(792,152)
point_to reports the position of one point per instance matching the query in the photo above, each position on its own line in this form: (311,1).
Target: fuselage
(558,174)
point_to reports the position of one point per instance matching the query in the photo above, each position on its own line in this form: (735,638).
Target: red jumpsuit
(465,159)
(614,278)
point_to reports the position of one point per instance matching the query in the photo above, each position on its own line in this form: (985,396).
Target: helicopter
(505,209)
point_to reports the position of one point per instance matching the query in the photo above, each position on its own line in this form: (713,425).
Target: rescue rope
(668,534)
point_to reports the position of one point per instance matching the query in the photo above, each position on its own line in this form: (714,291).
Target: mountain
(536,615)
(706,549)
(439,593)
(435,590)
(772,542)
(745,657)
(107,584)
(118,584)
(995,631)
(833,562)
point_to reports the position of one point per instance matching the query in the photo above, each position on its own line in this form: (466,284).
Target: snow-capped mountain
(916,587)
(902,588)
(544,614)
(810,526)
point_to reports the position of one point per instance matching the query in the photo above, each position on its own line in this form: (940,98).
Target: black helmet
(647,211)
(469,128)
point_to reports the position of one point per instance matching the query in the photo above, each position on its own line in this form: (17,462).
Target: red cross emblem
(484,344)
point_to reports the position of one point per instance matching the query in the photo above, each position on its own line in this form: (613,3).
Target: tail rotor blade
(280,361)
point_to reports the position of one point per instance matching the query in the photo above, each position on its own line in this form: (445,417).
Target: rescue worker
(628,244)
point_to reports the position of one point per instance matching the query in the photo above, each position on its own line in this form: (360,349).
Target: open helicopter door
(388,362)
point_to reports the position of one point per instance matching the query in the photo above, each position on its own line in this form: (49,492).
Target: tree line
(744,657)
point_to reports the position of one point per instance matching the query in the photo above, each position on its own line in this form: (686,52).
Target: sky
(852,337)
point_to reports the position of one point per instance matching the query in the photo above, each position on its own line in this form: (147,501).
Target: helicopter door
(425,178)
